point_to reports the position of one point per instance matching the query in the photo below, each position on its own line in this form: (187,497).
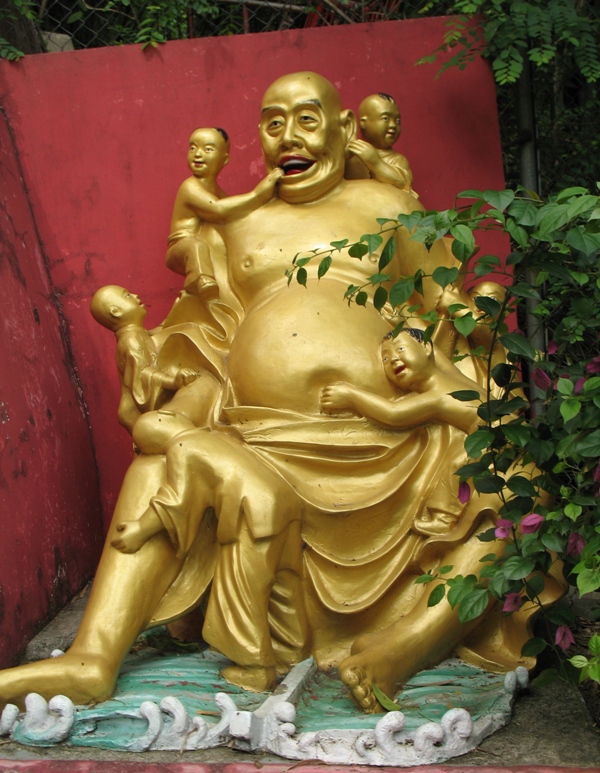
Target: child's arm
(406,411)
(382,170)
(214,210)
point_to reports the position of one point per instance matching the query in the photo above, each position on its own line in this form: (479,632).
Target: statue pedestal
(444,712)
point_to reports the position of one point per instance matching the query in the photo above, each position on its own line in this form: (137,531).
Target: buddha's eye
(275,123)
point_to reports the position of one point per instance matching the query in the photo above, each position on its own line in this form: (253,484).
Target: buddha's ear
(115,312)
(348,123)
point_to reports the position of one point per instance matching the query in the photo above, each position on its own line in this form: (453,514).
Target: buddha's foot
(253,678)
(82,678)
(360,684)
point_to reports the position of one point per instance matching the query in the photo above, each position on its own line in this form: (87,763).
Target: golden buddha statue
(300,521)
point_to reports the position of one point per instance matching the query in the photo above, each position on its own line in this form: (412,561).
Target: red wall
(102,136)
(49,498)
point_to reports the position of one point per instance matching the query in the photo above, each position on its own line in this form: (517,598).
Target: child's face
(380,122)
(207,153)
(404,358)
(127,305)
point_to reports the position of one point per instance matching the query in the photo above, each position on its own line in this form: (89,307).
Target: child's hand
(449,296)
(337,398)
(365,151)
(266,188)
(184,377)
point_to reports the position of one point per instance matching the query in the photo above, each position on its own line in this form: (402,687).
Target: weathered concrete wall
(49,499)
(101,137)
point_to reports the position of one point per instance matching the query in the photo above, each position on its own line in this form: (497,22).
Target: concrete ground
(550,727)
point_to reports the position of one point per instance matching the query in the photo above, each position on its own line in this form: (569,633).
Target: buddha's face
(488,290)
(207,153)
(304,131)
(379,122)
(405,360)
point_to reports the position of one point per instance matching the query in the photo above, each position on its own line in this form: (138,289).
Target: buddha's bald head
(304,130)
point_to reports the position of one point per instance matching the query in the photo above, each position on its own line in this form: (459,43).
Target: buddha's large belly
(299,340)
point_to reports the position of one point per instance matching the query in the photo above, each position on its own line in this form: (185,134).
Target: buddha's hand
(337,398)
(365,151)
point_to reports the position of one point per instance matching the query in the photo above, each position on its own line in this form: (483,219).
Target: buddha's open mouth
(295,164)
(399,369)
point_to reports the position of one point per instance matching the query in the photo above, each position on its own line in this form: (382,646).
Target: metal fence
(62,25)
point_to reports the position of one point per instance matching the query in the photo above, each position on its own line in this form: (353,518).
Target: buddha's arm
(208,207)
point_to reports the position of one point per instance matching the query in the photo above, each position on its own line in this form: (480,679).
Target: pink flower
(512,602)
(593,365)
(531,523)
(541,379)
(579,384)
(575,545)
(596,475)
(552,347)
(464,492)
(503,528)
(564,638)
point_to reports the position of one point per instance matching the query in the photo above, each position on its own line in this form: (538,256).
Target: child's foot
(207,288)
(132,536)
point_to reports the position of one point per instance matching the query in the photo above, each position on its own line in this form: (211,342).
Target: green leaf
(594,644)
(517,567)
(553,542)
(436,595)
(424,578)
(533,647)
(373,241)
(339,245)
(361,298)
(560,615)
(583,241)
(517,434)
(358,250)
(464,235)
(388,253)
(547,676)
(521,486)
(445,569)
(489,484)
(588,580)
(380,298)
(565,386)
(324,266)
(473,605)
(573,511)
(480,439)
(518,344)
(465,395)
(589,445)
(569,409)
(502,373)
(301,276)
(401,291)
(489,306)
(444,276)
(499,199)
(523,290)
(465,325)
(535,585)
(579,661)
(518,233)
(387,703)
